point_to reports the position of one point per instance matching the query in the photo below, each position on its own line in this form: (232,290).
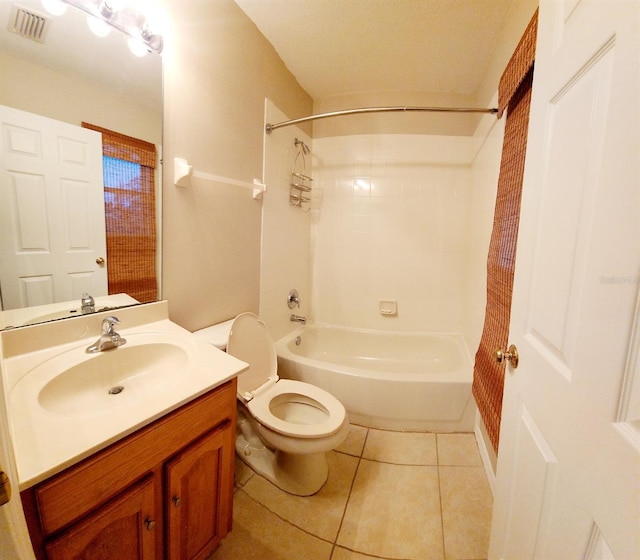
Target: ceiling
(337,47)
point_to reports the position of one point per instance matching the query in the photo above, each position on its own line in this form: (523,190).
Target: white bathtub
(398,381)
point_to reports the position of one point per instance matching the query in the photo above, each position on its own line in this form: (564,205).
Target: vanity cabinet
(164,491)
(124,528)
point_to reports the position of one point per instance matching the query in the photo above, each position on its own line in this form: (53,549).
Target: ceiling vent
(29,24)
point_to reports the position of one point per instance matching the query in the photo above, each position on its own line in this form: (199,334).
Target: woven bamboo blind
(129,186)
(514,95)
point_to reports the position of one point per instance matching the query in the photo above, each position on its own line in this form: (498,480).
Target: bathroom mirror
(74,76)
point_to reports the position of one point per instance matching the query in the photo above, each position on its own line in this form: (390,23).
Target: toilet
(285,428)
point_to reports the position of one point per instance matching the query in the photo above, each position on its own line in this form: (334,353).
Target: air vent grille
(28,24)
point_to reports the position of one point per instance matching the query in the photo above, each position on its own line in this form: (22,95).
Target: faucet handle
(109,323)
(293,299)
(87,303)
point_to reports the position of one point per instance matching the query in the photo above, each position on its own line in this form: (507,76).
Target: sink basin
(98,382)
(77,383)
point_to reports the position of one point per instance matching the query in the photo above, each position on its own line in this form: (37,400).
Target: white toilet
(285,427)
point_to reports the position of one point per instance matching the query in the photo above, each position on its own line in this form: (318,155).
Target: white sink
(65,403)
(109,379)
(77,383)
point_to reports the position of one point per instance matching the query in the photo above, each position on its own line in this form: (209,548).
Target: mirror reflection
(69,78)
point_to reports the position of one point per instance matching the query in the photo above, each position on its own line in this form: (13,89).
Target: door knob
(149,524)
(177,501)
(510,356)
(100,261)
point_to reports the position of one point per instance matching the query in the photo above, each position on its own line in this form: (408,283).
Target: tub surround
(48,441)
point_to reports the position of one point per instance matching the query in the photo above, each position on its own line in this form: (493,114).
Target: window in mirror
(129,191)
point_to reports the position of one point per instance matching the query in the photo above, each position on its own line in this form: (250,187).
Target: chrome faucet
(109,338)
(298,319)
(88,304)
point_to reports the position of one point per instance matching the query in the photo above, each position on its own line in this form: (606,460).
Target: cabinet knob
(149,523)
(177,501)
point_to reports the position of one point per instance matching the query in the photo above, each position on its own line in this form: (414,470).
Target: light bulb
(137,46)
(55,7)
(116,5)
(99,27)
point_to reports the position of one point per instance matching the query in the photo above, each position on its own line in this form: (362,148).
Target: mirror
(73,76)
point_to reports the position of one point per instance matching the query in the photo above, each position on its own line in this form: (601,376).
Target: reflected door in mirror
(52,228)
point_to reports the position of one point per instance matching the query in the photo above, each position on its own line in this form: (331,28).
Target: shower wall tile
(392,224)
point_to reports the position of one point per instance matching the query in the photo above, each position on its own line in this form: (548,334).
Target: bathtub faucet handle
(293,299)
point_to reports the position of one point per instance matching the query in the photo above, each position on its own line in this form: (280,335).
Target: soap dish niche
(388,307)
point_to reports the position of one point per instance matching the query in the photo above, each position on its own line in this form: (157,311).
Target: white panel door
(567,484)
(52,226)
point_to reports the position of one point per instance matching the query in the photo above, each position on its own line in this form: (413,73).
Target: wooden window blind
(129,190)
(514,95)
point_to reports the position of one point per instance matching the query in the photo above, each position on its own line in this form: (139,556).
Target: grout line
(444,550)
(290,523)
(389,462)
(346,504)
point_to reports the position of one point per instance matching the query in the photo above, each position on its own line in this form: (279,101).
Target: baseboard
(486,452)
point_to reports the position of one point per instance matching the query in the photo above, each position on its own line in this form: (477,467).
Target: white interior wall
(285,255)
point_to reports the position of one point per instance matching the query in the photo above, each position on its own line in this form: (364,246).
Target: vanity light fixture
(54,7)
(137,46)
(98,26)
(126,18)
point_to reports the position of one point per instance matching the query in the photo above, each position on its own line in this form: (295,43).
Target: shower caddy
(300,185)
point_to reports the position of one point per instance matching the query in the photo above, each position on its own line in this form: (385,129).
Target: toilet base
(300,475)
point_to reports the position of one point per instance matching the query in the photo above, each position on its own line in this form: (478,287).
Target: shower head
(305,149)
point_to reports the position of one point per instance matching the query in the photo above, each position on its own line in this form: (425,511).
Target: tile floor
(390,495)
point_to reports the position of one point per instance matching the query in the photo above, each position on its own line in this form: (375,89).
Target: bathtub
(396,381)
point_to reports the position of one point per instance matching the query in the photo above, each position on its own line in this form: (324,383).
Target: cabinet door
(200,489)
(124,528)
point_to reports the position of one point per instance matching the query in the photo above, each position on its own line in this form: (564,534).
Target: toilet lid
(250,341)
(298,391)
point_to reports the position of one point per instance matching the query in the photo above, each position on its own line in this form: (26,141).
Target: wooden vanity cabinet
(165,491)
(122,529)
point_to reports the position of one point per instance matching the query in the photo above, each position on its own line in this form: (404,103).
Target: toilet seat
(306,395)
(250,341)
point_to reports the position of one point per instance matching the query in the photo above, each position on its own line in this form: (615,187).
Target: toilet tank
(218,334)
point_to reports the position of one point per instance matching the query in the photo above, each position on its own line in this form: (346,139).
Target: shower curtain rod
(271,127)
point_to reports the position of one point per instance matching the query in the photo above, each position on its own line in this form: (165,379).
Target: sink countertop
(46,441)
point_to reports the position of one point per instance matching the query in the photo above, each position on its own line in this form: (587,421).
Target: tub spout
(298,319)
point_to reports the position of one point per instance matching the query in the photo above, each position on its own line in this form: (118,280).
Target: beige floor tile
(258,534)
(344,554)
(401,448)
(394,512)
(319,514)
(354,442)
(242,473)
(466,511)
(458,450)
